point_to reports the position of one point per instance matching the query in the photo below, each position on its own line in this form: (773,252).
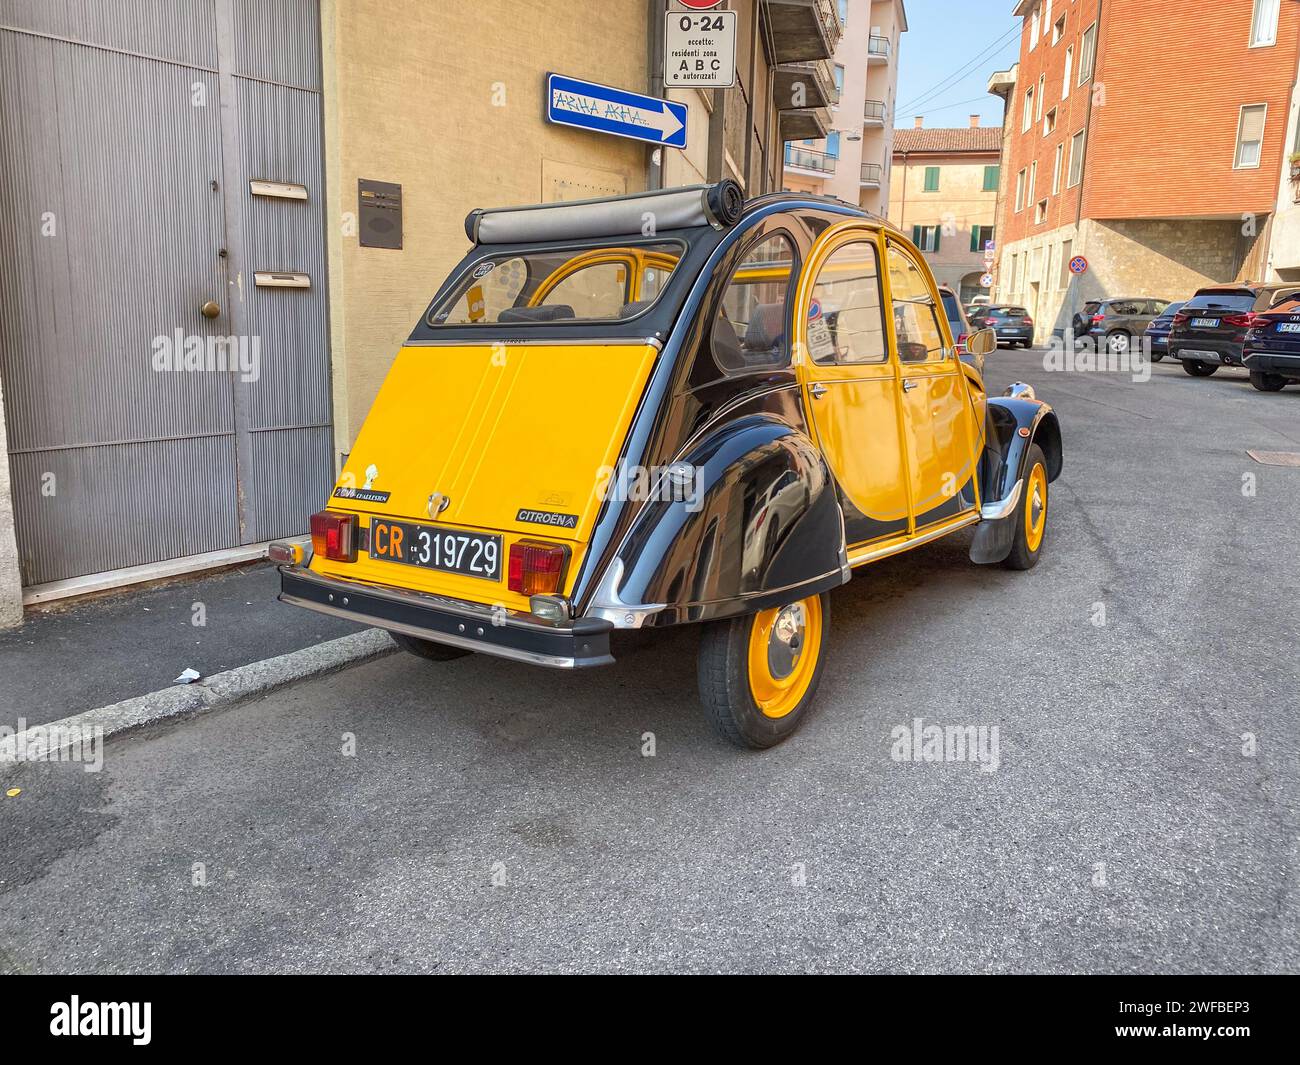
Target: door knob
(818,390)
(210,309)
(908,385)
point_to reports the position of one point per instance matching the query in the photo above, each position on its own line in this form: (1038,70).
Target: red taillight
(961,343)
(1244,321)
(536,567)
(1098,318)
(1027,320)
(334,535)
(1181,319)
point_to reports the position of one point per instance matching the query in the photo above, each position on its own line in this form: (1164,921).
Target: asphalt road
(1123,830)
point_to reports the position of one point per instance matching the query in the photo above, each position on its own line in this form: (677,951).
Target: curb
(180,701)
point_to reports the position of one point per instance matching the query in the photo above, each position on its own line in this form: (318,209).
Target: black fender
(758,526)
(1013,425)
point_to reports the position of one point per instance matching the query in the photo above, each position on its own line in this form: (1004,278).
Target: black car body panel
(1013,426)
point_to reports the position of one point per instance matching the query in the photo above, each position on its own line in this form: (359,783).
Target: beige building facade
(851,159)
(944,194)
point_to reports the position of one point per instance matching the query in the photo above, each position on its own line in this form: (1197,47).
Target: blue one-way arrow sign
(602,109)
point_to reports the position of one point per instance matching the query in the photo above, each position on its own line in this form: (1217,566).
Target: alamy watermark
(919,742)
(53,743)
(191,353)
(1063,355)
(676,483)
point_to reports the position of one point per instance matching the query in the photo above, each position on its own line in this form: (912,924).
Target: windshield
(589,284)
(1221,301)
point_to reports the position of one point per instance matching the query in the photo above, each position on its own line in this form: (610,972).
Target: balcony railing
(871,173)
(877,47)
(810,159)
(874,111)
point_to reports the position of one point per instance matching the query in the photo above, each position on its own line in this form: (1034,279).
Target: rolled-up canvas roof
(716,205)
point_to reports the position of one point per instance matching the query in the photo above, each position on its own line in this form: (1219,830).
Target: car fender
(1014,423)
(759,526)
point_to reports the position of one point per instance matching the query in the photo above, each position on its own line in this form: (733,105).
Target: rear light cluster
(1097,319)
(334,535)
(1027,320)
(1182,318)
(961,344)
(1249,320)
(536,567)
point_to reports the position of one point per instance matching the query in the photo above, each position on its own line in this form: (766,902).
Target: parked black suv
(1210,329)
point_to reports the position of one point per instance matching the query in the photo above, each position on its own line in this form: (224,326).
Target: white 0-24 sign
(700,49)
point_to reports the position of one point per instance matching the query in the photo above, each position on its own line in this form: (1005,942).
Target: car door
(938,429)
(849,377)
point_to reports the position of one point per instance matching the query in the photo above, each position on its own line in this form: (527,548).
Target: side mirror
(982,341)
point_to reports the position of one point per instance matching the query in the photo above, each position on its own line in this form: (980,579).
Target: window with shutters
(1250,136)
(926,237)
(931,179)
(992,174)
(978,235)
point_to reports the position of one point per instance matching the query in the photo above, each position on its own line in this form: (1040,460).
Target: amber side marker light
(334,535)
(536,567)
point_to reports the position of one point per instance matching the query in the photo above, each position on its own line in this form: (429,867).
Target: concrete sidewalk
(80,654)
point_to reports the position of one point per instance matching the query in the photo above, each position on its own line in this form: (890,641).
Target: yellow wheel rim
(784,646)
(1036,507)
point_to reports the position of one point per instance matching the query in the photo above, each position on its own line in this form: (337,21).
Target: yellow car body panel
(496,430)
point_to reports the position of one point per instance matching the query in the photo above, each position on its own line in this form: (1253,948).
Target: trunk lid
(518,438)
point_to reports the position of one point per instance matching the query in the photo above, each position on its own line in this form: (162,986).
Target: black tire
(1267,382)
(1156,356)
(434,652)
(725,685)
(1199,369)
(1026,548)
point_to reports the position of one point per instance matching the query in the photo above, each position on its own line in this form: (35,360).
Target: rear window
(952,309)
(1008,312)
(1220,301)
(589,284)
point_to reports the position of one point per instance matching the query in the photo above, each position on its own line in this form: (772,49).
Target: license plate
(1288,327)
(1199,354)
(1205,323)
(437,547)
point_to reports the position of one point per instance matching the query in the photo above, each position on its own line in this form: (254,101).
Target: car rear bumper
(454,622)
(1211,352)
(1015,333)
(1273,362)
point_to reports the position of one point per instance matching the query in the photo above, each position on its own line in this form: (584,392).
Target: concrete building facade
(851,160)
(1153,155)
(292,142)
(944,193)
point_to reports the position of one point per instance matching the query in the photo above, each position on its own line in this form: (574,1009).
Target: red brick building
(1146,137)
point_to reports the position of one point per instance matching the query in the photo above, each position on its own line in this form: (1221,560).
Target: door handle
(908,385)
(817,390)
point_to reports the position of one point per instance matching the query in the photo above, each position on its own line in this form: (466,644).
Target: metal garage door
(130,131)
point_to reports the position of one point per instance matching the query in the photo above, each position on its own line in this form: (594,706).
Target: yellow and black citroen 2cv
(668,408)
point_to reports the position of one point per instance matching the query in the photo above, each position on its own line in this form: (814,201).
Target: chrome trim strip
(437,637)
(933,534)
(1002,507)
(556,342)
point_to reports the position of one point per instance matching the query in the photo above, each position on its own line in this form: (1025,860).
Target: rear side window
(587,284)
(749,329)
(953,310)
(1221,301)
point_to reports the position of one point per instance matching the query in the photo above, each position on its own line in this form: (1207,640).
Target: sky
(943,37)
